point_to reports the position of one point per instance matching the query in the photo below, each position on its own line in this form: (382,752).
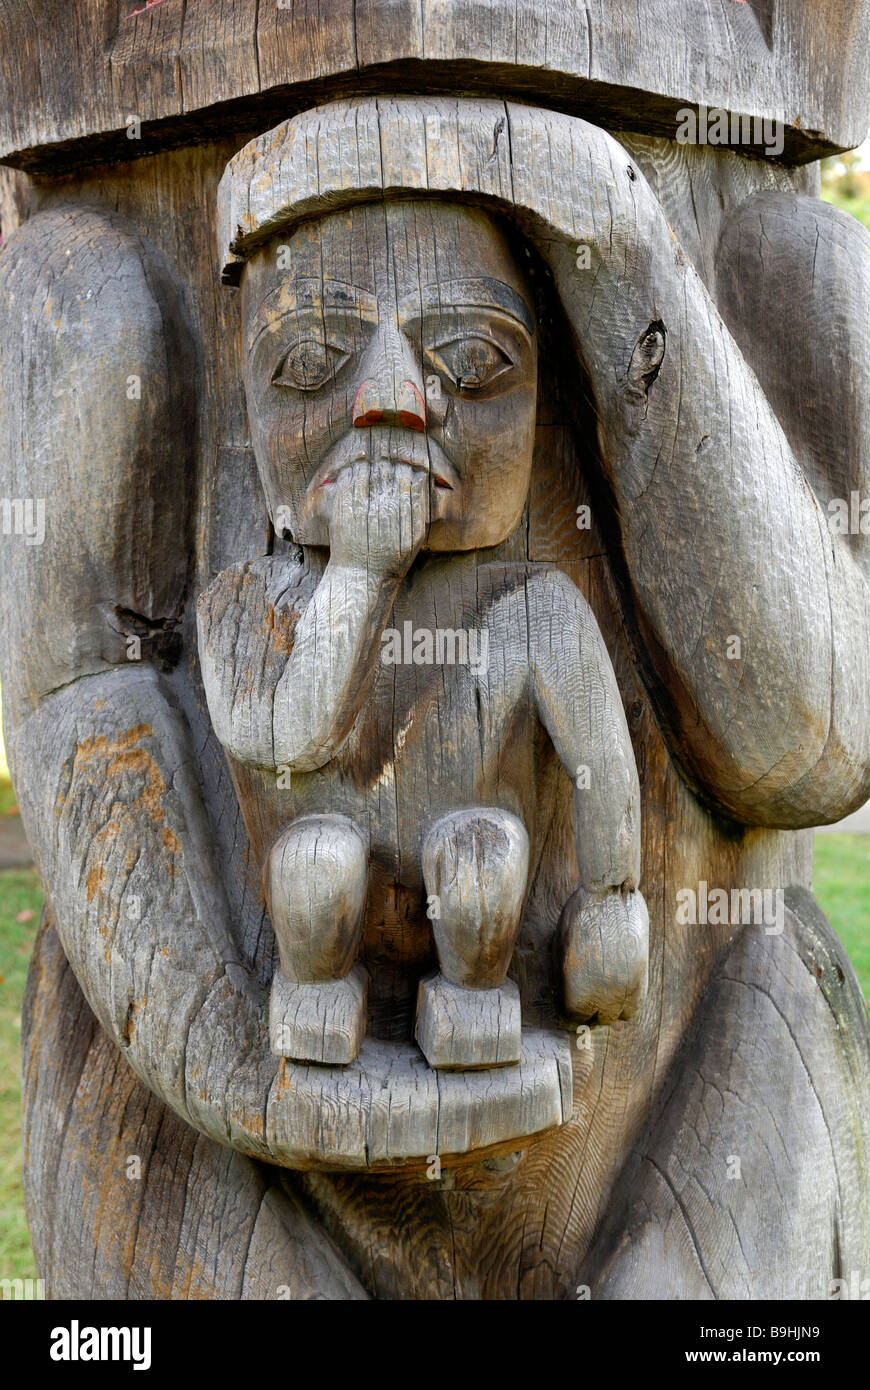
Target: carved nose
(403,405)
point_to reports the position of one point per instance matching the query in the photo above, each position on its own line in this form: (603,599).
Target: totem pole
(439,646)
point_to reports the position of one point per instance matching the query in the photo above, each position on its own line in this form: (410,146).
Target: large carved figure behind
(707,499)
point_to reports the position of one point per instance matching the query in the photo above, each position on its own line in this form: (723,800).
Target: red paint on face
(141,8)
(414,419)
(367,410)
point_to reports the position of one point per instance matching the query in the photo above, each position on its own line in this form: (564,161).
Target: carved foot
(323,1022)
(475,867)
(315,880)
(468,1028)
(605,954)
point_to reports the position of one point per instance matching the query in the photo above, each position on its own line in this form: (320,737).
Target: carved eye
(308,364)
(470,363)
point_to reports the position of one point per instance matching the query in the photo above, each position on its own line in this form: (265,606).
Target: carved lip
(421,454)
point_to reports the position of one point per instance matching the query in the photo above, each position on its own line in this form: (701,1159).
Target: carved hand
(377,523)
(378,517)
(605,947)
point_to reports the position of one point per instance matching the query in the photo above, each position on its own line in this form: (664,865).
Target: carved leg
(315,880)
(475,867)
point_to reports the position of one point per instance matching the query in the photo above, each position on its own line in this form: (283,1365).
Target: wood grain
(646,1133)
(194,70)
(729,718)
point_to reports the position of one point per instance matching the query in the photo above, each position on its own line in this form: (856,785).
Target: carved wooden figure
(429,621)
(391,382)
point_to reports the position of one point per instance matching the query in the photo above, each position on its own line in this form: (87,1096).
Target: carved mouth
(425,460)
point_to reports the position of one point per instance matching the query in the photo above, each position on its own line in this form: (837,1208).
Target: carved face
(398,334)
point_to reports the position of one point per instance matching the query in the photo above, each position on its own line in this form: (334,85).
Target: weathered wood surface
(391,379)
(525,1227)
(805,665)
(204,1222)
(196,69)
(389,1108)
(734,1194)
(476,867)
(315,881)
(458,1027)
(318,1021)
(147,1208)
(100,364)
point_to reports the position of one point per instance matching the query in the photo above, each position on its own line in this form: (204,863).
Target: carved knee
(315,881)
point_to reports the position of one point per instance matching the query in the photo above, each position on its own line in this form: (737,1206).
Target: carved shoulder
(563,630)
(539,608)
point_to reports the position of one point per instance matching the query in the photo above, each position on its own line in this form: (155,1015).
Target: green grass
(4,766)
(20,891)
(858,206)
(847,186)
(841,882)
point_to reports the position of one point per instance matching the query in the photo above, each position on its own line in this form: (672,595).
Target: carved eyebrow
(311,295)
(475,292)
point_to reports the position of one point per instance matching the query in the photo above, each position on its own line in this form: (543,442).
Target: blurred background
(841,876)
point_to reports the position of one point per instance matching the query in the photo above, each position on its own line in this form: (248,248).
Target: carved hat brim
(566,179)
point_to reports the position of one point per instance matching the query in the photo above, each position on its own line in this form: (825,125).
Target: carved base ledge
(390,1109)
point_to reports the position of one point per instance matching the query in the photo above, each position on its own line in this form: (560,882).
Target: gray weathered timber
(388,1109)
(393,417)
(475,868)
(457,1027)
(750,1163)
(731,719)
(659,485)
(194,70)
(475,871)
(99,363)
(315,884)
(195,1220)
(318,1021)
